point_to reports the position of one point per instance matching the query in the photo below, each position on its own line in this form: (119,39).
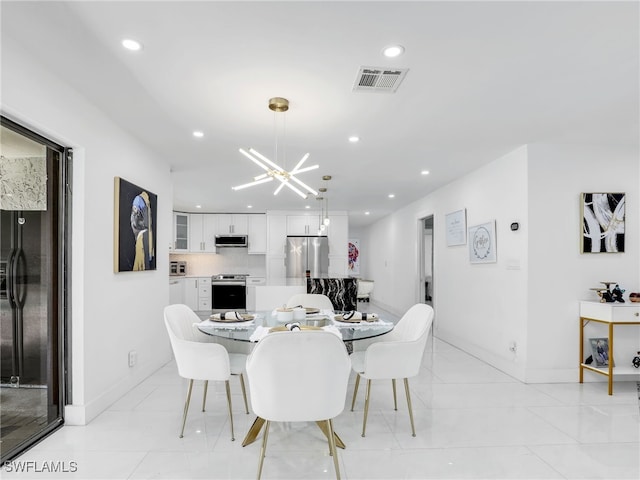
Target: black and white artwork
(603,222)
(482,243)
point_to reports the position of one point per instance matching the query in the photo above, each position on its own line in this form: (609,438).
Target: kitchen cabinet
(180,232)
(202,233)
(232,224)
(176,290)
(338,235)
(257,234)
(276,234)
(302,224)
(197,293)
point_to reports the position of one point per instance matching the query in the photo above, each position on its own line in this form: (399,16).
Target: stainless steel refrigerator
(307,253)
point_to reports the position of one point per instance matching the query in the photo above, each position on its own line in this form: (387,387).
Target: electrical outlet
(133,358)
(513,347)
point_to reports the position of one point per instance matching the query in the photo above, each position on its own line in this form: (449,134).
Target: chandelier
(272,170)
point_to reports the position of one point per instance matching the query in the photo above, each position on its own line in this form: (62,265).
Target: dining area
(294,366)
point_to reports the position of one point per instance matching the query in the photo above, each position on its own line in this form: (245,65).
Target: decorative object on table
(482,243)
(603,218)
(634,297)
(604,293)
(357,317)
(231,317)
(299,313)
(284,314)
(135,226)
(456,227)
(636,360)
(272,169)
(616,294)
(354,256)
(600,352)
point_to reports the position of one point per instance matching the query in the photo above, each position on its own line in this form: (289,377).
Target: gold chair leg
(406,389)
(204,397)
(323,426)
(253,432)
(366,407)
(332,448)
(226,382)
(355,391)
(263,449)
(395,401)
(186,407)
(244,394)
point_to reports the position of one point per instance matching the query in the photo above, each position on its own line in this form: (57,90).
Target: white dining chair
(310,300)
(398,355)
(200,360)
(314,392)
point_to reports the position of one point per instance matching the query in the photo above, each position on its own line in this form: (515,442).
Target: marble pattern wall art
(603,229)
(23,183)
(342,292)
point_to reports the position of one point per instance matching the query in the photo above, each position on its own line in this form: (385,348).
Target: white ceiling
(484,78)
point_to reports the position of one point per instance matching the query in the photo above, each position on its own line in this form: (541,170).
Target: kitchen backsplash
(229,260)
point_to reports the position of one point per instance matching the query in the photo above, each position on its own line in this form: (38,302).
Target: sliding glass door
(32,303)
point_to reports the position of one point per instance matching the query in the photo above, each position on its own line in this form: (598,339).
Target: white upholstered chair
(314,389)
(310,300)
(398,355)
(200,360)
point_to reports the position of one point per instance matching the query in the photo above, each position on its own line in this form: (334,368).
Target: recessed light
(391,195)
(198,206)
(131,44)
(307,206)
(424,172)
(367,213)
(198,134)
(354,139)
(393,51)
(249,206)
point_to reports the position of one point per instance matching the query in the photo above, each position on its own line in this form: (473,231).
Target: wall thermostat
(515,226)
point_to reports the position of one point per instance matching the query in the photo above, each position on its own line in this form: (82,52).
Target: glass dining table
(250,327)
(254,325)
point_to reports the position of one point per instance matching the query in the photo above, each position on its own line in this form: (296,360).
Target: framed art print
(456,227)
(603,229)
(482,243)
(135,227)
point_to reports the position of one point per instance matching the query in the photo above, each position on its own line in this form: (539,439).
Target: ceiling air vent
(379,79)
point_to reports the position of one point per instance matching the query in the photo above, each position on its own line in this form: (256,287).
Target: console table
(610,314)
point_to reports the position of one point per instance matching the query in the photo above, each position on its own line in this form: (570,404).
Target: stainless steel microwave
(231,241)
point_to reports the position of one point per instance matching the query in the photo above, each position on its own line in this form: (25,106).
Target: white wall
(559,274)
(112,314)
(530,296)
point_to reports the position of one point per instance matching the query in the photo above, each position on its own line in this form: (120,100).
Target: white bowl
(299,313)
(284,314)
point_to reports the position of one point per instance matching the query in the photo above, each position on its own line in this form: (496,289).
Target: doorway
(32,287)
(426,261)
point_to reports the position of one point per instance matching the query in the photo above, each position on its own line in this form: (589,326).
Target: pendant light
(272,169)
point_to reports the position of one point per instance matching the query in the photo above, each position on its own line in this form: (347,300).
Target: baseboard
(83,414)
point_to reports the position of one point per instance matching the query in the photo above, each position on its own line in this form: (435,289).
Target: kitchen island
(341,291)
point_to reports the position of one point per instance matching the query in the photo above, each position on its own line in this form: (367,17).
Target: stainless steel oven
(229,291)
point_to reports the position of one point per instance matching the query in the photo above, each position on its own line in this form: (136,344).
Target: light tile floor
(472,421)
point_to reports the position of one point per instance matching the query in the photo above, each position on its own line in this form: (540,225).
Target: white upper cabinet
(339,235)
(232,224)
(302,224)
(180,232)
(257,234)
(276,234)
(202,235)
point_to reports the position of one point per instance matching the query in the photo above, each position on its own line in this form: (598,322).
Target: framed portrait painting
(603,229)
(135,219)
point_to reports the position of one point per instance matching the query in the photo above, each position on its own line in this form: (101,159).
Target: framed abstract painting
(603,229)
